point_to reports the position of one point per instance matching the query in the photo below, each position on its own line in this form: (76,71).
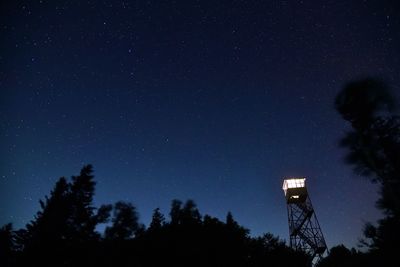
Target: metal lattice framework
(305,232)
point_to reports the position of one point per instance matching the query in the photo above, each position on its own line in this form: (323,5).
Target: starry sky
(211,100)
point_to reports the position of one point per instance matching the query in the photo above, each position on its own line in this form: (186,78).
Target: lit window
(293,183)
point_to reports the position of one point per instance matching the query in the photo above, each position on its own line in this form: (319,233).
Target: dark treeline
(63,233)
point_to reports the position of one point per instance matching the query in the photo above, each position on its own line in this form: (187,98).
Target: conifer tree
(157,221)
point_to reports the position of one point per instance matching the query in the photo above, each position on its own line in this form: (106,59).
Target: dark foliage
(125,223)
(374,151)
(340,256)
(157,221)
(63,234)
(7,245)
(65,226)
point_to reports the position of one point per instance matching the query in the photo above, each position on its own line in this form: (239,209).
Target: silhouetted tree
(84,220)
(46,237)
(84,217)
(175,213)
(229,219)
(7,245)
(51,224)
(344,257)
(338,256)
(186,214)
(124,223)
(189,213)
(374,143)
(268,250)
(103,214)
(66,222)
(157,221)
(374,151)
(63,234)
(234,227)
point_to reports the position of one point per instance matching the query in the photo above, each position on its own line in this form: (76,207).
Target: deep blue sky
(211,100)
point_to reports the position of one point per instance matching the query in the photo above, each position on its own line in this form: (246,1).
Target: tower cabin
(295,190)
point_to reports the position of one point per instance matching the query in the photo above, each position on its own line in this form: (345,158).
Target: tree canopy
(373,149)
(63,233)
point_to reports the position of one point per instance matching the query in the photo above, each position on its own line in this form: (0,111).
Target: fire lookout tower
(305,232)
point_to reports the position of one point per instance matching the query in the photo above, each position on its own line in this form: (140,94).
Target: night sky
(215,101)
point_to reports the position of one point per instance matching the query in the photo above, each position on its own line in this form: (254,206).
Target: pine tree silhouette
(157,222)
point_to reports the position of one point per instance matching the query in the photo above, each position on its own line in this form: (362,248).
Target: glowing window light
(293,183)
